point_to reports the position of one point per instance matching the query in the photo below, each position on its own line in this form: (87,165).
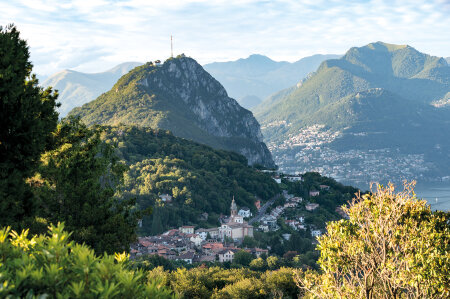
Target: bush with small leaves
(54,267)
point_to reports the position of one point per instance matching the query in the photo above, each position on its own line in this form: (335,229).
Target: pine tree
(78,179)
(27,117)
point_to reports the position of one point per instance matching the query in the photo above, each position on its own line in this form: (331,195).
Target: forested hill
(182,97)
(199,178)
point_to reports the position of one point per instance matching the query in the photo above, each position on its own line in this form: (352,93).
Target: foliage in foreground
(55,267)
(216,282)
(392,246)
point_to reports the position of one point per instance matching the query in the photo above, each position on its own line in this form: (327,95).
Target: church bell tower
(233,208)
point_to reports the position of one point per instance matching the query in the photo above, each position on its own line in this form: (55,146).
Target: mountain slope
(77,88)
(375,98)
(182,97)
(258,76)
(199,178)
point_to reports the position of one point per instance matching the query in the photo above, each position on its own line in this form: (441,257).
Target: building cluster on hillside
(309,150)
(201,245)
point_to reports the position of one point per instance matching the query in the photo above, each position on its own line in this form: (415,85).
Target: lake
(438,196)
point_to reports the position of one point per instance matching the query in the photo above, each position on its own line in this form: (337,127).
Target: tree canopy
(392,246)
(27,118)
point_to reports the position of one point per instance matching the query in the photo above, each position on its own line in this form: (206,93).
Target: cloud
(93,35)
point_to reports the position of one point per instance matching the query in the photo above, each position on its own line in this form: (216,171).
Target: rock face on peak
(182,97)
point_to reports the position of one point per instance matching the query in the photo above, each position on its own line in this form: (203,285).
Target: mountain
(258,76)
(380,105)
(77,88)
(182,97)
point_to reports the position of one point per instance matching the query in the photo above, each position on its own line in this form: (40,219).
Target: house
(296,199)
(187,257)
(290,205)
(287,237)
(187,229)
(226,255)
(316,233)
(158,62)
(269,220)
(294,178)
(245,212)
(277,179)
(314,193)
(311,206)
(258,252)
(324,187)
(203,233)
(292,223)
(166,197)
(301,219)
(196,239)
(207,258)
(212,248)
(263,228)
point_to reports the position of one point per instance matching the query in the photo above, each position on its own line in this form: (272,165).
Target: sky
(95,35)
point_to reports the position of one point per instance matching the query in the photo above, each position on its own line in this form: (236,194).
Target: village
(220,244)
(308,150)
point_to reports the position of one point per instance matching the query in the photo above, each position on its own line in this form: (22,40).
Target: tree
(258,264)
(272,262)
(27,118)
(243,258)
(77,181)
(392,246)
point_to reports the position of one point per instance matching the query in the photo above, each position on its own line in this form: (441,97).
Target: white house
(187,229)
(311,206)
(245,212)
(203,233)
(296,199)
(166,197)
(314,193)
(196,239)
(226,255)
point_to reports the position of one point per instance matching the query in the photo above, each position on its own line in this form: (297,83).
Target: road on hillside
(263,209)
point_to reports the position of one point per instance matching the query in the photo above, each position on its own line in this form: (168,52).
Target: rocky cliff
(182,97)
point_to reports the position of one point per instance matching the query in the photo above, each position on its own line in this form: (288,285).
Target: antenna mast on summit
(171,47)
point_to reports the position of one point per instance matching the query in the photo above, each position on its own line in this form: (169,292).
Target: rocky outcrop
(187,101)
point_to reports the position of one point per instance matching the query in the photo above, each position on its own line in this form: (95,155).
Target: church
(235,227)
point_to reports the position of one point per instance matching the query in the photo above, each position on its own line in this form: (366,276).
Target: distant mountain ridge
(252,79)
(182,97)
(380,96)
(77,88)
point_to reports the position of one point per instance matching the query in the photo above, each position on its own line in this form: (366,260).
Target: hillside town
(309,150)
(219,244)
(202,245)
